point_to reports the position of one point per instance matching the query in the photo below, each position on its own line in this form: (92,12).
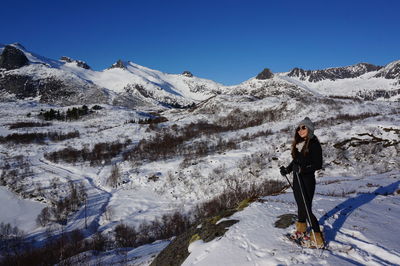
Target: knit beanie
(309,124)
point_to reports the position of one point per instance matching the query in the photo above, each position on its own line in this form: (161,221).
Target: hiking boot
(301,227)
(314,240)
(300,231)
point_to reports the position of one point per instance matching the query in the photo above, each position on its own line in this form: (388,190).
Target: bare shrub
(28,124)
(101,153)
(114,179)
(44,217)
(99,242)
(125,236)
(235,193)
(343,118)
(63,207)
(40,138)
(169,225)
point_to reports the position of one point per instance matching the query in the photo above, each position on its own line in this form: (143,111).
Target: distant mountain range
(67,81)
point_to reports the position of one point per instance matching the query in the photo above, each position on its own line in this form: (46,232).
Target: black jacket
(310,163)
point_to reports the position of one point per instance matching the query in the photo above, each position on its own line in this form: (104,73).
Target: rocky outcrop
(187,74)
(79,63)
(12,58)
(265,74)
(19,85)
(391,71)
(118,64)
(177,251)
(51,90)
(333,73)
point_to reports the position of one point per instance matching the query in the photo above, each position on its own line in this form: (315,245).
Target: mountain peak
(187,73)
(119,64)
(79,63)
(333,73)
(18,46)
(265,74)
(390,71)
(12,58)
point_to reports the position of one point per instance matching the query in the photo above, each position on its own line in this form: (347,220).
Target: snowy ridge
(136,85)
(390,71)
(159,87)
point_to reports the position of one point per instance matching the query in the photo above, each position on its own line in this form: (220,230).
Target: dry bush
(101,153)
(28,124)
(343,118)
(57,249)
(63,207)
(40,138)
(236,193)
(125,236)
(115,177)
(169,225)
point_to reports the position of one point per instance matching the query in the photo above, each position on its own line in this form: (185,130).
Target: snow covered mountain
(68,81)
(335,73)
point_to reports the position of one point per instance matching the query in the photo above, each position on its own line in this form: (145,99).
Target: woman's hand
(283,170)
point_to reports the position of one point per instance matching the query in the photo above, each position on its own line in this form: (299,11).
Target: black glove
(283,170)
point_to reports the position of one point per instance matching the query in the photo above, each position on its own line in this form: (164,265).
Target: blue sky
(226,41)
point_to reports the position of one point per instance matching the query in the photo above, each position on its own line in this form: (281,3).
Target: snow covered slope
(358,216)
(126,80)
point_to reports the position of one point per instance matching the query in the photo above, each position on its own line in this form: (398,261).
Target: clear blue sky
(226,41)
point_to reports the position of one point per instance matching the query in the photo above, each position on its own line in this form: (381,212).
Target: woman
(307,158)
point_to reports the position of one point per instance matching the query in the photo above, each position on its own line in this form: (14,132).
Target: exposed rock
(19,85)
(79,63)
(187,74)
(118,64)
(333,73)
(265,74)
(12,58)
(66,59)
(286,220)
(391,71)
(177,251)
(51,90)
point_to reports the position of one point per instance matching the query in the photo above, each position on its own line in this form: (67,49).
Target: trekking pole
(305,204)
(287,179)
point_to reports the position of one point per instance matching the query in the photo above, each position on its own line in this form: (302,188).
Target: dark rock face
(118,64)
(392,71)
(24,87)
(333,73)
(50,90)
(12,58)
(79,63)
(187,74)
(265,74)
(21,86)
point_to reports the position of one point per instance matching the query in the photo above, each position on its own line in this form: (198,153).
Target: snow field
(359,229)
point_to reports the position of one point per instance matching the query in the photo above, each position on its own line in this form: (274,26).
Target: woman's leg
(301,209)
(308,187)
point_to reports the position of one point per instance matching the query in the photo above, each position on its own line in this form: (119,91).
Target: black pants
(308,187)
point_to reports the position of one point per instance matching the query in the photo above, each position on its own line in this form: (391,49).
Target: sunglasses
(301,128)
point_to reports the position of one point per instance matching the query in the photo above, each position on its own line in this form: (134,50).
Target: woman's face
(303,131)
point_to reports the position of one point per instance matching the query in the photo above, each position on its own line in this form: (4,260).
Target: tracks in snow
(97,200)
